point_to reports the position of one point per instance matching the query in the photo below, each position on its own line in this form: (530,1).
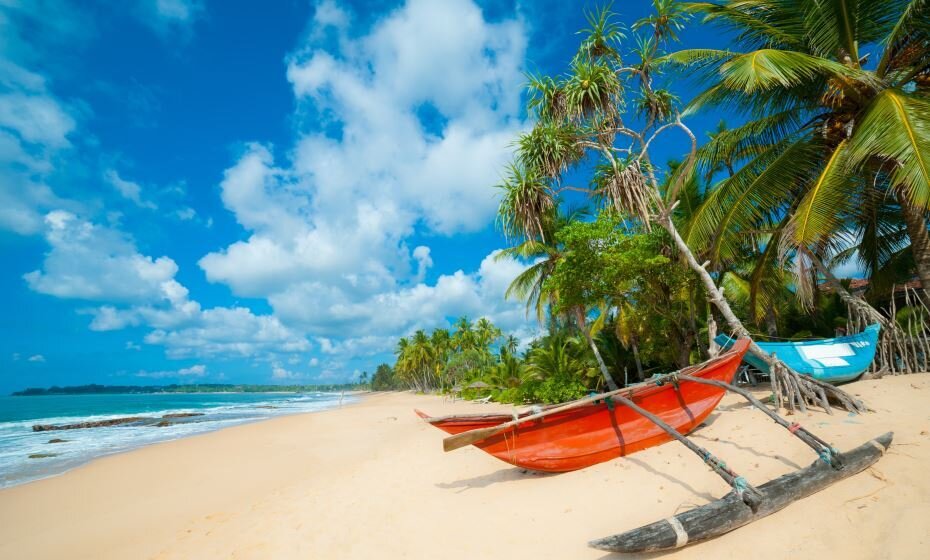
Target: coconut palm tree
(831,127)
(464,336)
(582,114)
(486,333)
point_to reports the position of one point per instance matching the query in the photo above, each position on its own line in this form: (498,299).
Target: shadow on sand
(485,480)
(752,451)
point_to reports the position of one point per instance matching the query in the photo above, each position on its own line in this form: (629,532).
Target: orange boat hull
(595,433)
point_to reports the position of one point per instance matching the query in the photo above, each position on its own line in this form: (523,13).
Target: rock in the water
(57,440)
(42,455)
(182,414)
(94,424)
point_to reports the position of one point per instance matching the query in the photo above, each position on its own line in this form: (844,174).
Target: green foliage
(556,389)
(602,260)
(383,379)
(832,142)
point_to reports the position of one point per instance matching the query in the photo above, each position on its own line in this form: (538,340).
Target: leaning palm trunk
(581,114)
(791,390)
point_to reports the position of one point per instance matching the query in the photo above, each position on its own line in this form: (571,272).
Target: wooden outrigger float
(743,505)
(729,513)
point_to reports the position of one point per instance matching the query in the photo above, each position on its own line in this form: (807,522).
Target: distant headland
(94,389)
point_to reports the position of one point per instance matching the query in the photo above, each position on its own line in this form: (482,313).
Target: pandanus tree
(836,150)
(583,121)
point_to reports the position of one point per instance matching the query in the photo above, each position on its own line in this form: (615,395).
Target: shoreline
(81,462)
(371,479)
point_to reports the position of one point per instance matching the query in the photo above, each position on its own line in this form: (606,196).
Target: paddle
(452,443)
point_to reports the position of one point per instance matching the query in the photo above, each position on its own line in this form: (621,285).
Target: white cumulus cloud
(406,128)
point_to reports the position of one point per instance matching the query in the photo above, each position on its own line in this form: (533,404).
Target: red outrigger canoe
(598,432)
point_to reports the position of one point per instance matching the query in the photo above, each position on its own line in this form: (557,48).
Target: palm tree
(560,355)
(486,333)
(511,343)
(441,343)
(543,253)
(581,114)
(464,336)
(826,130)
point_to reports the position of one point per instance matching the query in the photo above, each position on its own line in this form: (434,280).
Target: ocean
(27,455)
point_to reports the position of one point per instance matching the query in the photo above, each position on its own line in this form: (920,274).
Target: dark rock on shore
(94,424)
(134,420)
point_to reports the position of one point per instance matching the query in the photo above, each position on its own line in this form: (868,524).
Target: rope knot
(740,486)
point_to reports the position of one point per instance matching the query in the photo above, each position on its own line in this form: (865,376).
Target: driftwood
(729,513)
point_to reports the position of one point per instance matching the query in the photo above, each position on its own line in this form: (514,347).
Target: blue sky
(206,191)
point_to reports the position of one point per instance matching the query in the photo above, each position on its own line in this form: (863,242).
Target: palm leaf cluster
(834,154)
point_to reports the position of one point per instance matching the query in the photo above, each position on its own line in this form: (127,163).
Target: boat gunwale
(645,389)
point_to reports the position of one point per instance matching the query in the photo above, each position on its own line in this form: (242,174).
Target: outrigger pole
(823,449)
(741,487)
(743,490)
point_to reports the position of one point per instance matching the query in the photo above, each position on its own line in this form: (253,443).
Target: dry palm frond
(628,190)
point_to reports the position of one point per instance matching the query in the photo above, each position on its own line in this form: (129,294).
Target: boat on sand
(601,430)
(832,360)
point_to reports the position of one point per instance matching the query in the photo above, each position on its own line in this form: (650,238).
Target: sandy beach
(371,480)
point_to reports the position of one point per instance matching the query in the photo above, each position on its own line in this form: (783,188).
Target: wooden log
(729,513)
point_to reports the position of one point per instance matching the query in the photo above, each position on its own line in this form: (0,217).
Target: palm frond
(821,211)
(896,128)
(527,200)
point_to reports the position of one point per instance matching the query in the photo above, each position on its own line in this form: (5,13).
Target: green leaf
(896,129)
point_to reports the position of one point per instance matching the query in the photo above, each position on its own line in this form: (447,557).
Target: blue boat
(833,360)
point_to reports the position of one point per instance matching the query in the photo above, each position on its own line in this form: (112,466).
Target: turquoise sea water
(18,414)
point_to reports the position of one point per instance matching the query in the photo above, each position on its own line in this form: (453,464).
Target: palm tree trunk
(796,388)
(771,323)
(639,363)
(920,242)
(579,316)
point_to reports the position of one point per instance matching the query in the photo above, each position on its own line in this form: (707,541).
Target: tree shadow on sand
(485,480)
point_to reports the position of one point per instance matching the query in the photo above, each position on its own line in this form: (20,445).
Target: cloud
(34,132)
(100,264)
(280,373)
(127,189)
(186,213)
(198,370)
(227,332)
(404,129)
(96,263)
(167,17)
(36,358)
